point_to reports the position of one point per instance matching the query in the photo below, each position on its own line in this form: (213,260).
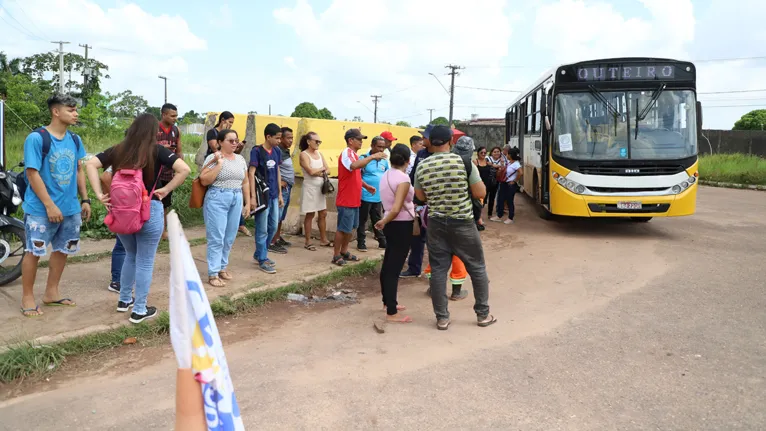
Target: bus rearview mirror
(699,115)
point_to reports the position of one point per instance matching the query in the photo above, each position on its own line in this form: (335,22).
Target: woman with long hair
(139,150)
(227,199)
(225,121)
(496,162)
(508,189)
(313,201)
(396,194)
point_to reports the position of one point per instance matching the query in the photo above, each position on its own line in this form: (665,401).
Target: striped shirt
(442,177)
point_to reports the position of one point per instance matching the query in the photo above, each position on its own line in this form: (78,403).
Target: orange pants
(457,274)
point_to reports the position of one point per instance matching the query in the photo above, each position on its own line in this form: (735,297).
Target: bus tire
(640,219)
(542,212)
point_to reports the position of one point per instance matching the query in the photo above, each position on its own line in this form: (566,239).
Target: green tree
(27,100)
(38,65)
(154,110)
(403,124)
(309,110)
(8,68)
(440,121)
(325,114)
(753,120)
(128,105)
(192,117)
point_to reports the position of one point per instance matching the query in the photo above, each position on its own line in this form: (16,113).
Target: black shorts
(168,201)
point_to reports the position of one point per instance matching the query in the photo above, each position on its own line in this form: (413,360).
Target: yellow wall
(330,133)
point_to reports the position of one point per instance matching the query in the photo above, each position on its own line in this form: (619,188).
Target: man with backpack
(443,182)
(264,164)
(52,212)
(169,137)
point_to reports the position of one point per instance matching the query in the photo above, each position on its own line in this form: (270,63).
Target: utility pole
(453,72)
(61,65)
(86,69)
(430,115)
(166,87)
(269,108)
(375,101)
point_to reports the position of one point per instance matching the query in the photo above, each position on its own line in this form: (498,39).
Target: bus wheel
(541,211)
(640,219)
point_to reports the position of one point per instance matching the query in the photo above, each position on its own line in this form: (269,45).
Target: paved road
(603,325)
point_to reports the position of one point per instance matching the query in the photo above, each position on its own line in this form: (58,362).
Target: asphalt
(602,325)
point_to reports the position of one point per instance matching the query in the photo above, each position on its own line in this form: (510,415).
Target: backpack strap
(46,136)
(263,155)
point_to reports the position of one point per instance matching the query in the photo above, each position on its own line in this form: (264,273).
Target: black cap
(354,133)
(440,135)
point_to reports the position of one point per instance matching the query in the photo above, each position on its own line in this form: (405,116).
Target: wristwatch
(85,201)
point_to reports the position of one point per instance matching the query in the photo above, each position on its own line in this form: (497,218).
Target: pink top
(388,184)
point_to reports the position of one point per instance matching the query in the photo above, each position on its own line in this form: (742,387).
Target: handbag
(198,191)
(327,186)
(415,218)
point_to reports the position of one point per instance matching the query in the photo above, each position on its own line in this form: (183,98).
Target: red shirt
(169,139)
(349,182)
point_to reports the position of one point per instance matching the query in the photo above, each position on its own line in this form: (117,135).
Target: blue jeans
(140,250)
(266,223)
(286,191)
(505,193)
(118,259)
(222,210)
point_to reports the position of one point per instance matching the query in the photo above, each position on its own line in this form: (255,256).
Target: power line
(488,89)
(733,91)
(733,100)
(23,30)
(731,106)
(31,20)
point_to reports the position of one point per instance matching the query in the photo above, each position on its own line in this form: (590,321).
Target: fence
(192,129)
(720,141)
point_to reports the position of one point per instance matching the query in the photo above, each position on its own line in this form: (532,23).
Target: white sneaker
(509,221)
(495,219)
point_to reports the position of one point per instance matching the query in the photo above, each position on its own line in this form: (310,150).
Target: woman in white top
(508,189)
(312,200)
(226,200)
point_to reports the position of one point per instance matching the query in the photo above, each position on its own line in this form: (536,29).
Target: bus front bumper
(570,204)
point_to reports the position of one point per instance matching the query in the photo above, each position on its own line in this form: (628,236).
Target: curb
(46,340)
(733,185)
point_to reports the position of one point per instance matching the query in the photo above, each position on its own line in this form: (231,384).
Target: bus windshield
(598,125)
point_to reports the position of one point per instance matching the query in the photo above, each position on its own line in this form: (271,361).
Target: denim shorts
(286,191)
(63,237)
(348,219)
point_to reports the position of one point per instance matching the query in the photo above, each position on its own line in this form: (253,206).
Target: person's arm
(279,182)
(212,142)
(251,181)
(180,168)
(401,194)
(305,160)
(82,187)
(370,189)
(91,168)
(246,195)
(179,150)
(33,161)
(420,194)
(210,170)
(478,189)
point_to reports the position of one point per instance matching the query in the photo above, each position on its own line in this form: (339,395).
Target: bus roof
(551,73)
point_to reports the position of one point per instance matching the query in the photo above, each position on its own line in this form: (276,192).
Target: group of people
(442,210)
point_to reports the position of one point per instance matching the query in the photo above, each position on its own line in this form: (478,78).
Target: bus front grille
(645,208)
(618,190)
(633,169)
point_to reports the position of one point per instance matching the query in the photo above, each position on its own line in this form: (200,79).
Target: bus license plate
(628,205)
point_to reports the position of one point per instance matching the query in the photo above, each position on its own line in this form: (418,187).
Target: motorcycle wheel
(12,241)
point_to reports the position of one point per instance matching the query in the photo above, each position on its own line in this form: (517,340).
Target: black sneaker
(151,312)
(124,306)
(382,245)
(277,249)
(281,241)
(114,287)
(408,274)
(361,247)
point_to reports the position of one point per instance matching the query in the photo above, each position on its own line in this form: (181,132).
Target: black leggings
(491,194)
(398,235)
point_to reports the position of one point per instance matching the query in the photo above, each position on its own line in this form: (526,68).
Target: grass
(733,168)
(31,360)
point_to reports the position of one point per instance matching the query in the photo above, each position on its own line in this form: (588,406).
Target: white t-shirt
(511,171)
(413,156)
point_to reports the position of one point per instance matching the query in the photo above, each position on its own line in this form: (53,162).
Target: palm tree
(6,66)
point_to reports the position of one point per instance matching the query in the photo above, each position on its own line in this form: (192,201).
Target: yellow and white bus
(610,138)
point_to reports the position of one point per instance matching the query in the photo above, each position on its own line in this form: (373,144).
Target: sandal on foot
(486,321)
(328,244)
(60,303)
(459,296)
(398,308)
(338,260)
(442,324)
(350,257)
(244,231)
(399,319)
(224,275)
(216,282)
(31,312)
(310,247)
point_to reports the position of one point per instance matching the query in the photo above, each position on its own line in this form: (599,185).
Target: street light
(440,83)
(166,87)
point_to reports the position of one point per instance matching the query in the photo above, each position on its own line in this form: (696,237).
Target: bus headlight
(683,185)
(570,185)
(676,189)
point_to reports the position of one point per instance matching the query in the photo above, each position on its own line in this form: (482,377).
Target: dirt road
(602,325)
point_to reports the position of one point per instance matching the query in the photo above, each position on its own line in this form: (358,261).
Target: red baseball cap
(388,136)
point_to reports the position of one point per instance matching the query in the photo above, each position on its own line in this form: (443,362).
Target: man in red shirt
(349,196)
(169,137)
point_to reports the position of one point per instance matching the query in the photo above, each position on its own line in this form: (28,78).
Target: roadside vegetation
(733,168)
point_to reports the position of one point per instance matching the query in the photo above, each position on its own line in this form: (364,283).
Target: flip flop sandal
(25,311)
(443,324)
(398,308)
(489,320)
(224,275)
(405,319)
(60,303)
(463,294)
(216,282)
(310,247)
(350,257)
(328,245)
(338,260)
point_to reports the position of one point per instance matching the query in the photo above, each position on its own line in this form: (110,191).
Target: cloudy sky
(246,55)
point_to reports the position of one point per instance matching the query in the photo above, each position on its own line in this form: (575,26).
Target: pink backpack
(131,205)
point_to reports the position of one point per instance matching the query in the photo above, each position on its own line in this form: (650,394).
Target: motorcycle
(12,232)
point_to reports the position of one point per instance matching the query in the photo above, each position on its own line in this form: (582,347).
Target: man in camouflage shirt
(444,183)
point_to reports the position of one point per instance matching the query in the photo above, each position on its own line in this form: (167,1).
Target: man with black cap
(349,196)
(441,181)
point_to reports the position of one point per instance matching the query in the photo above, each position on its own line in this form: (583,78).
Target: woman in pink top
(396,194)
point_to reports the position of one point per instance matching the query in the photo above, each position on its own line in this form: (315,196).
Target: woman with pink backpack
(136,213)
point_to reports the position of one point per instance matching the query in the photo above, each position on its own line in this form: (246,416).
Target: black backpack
(21,181)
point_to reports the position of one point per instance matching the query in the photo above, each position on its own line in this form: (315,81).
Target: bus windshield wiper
(603,100)
(656,95)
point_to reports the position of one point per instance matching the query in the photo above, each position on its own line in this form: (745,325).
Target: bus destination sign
(641,72)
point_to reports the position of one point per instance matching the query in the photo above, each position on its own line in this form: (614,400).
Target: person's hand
(246,210)
(281,201)
(378,156)
(370,189)
(162,193)
(380,225)
(85,211)
(105,199)
(284,184)
(217,156)
(54,214)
